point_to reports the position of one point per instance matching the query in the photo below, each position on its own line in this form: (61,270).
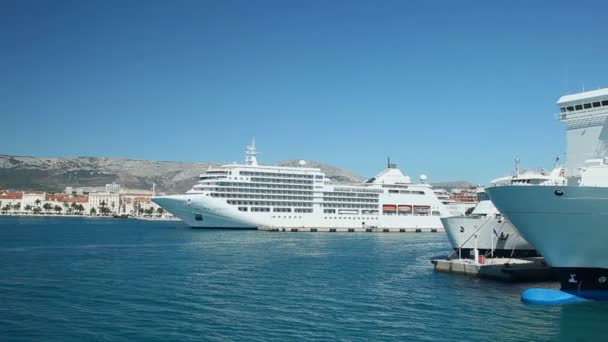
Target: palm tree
(37,202)
(6,208)
(105,210)
(37,210)
(57,209)
(160,211)
(80,208)
(17,206)
(67,206)
(102,206)
(28,207)
(93,212)
(47,206)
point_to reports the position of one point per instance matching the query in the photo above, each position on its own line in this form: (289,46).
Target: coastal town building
(33,199)
(111,199)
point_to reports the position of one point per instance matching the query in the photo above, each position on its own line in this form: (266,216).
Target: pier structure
(352,230)
(503,269)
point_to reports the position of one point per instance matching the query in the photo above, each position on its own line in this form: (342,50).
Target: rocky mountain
(54,174)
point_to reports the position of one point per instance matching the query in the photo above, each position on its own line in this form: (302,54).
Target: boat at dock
(567,224)
(252,196)
(486,230)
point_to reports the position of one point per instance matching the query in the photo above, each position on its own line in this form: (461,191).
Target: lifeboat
(405,208)
(389,207)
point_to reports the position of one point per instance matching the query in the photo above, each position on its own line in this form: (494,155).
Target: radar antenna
(251,153)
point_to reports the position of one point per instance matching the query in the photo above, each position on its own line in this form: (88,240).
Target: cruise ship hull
(495,237)
(567,224)
(202,211)
(192,212)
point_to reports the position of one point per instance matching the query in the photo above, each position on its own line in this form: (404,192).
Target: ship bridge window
(198,217)
(587,105)
(563,109)
(570,108)
(596,104)
(393,191)
(578,107)
(605,103)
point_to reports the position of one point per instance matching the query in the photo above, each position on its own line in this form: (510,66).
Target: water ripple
(76,279)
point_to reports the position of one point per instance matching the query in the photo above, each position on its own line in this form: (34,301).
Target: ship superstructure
(584,115)
(250,196)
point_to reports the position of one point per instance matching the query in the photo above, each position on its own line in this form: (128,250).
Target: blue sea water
(74,279)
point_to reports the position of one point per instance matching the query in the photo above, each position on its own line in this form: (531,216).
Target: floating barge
(503,269)
(353,230)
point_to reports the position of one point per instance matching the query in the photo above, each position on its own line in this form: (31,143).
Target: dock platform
(353,230)
(503,269)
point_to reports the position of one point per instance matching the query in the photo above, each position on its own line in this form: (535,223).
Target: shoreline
(92,216)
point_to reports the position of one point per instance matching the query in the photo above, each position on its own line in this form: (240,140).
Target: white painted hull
(495,236)
(216,214)
(569,230)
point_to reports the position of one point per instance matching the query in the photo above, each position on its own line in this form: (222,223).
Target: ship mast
(250,154)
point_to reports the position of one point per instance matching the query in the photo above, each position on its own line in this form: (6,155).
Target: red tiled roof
(11,195)
(57,197)
(68,198)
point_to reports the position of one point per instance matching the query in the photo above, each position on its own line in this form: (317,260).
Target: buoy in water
(549,297)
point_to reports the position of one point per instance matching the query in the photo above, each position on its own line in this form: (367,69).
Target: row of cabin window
(349,194)
(361,200)
(407,192)
(277,204)
(281,181)
(340,205)
(295,198)
(219,172)
(276,210)
(584,106)
(259,191)
(264,185)
(364,212)
(270,174)
(377,191)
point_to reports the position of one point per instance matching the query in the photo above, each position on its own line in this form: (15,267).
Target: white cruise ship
(486,230)
(252,196)
(567,224)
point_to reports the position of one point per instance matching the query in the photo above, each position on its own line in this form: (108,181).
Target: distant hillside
(54,174)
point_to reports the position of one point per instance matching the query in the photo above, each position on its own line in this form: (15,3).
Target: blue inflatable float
(549,297)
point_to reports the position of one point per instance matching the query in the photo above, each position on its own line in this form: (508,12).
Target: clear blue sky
(453,89)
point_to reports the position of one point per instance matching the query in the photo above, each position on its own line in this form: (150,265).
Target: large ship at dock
(252,196)
(486,230)
(567,224)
